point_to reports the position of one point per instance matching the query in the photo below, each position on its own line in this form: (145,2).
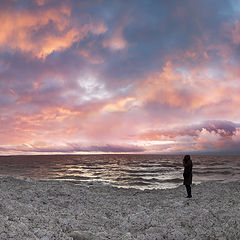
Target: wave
(214,171)
(73,178)
(144,170)
(151,180)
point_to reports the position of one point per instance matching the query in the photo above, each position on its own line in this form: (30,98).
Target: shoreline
(39,209)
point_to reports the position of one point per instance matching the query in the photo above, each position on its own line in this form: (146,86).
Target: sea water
(121,170)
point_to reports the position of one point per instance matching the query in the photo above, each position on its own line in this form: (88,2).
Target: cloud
(71,148)
(109,148)
(171,87)
(116,41)
(179,87)
(236,33)
(43,31)
(41,2)
(121,105)
(214,136)
(225,129)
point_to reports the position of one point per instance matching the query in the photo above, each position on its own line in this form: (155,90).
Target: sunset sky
(137,76)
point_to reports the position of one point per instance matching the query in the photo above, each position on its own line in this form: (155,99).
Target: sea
(121,170)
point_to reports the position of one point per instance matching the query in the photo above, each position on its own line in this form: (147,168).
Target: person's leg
(189,192)
(186,188)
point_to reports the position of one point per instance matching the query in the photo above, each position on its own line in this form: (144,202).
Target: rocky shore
(45,210)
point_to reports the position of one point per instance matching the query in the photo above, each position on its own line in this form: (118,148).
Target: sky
(118,76)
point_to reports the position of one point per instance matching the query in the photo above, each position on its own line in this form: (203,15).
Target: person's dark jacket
(187,174)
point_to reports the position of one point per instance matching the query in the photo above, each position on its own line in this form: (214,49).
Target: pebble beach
(47,210)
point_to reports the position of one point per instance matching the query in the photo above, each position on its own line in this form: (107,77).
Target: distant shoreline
(124,153)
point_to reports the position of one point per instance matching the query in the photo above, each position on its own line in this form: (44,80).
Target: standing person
(187,174)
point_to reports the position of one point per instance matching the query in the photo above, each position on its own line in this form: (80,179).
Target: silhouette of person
(187,174)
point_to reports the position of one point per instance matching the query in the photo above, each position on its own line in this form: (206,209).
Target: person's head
(186,158)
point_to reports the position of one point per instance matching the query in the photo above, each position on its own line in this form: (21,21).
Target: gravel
(45,210)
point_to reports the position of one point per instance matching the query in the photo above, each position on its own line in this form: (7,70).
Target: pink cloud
(116,41)
(45,147)
(21,30)
(206,136)
(178,88)
(236,33)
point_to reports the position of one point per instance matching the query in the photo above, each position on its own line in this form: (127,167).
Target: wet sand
(44,210)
